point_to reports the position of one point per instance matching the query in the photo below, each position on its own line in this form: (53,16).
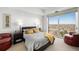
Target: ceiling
(41,10)
(48,10)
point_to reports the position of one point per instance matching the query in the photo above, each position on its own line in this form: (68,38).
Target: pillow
(29,31)
(35,30)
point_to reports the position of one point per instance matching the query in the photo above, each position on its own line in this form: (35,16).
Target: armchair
(72,40)
(5,41)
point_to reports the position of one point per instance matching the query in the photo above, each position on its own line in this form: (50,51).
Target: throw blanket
(50,37)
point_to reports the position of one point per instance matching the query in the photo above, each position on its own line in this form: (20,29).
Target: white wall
(27,19)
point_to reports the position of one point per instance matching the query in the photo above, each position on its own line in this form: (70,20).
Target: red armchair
(5,41)
(72,40)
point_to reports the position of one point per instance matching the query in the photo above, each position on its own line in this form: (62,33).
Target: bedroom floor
(58,45)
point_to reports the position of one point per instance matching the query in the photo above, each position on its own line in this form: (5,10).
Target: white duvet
(35,41)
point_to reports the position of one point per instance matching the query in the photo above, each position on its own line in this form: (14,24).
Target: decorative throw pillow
(29,31)
(35,30)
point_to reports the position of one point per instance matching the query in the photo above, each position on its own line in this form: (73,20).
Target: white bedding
(35,41)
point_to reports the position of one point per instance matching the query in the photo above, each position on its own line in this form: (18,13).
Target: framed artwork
(6,21)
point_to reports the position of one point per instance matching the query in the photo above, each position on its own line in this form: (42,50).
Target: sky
(68,18)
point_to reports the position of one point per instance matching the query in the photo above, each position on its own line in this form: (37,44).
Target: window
(65,21)
(68,18)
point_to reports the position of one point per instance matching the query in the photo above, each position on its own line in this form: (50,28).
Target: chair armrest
(5,40)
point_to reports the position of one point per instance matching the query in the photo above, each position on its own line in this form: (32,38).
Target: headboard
(30,27)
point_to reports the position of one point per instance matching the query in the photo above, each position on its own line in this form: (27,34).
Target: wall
(18,18)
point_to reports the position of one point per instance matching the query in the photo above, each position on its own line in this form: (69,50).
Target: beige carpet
(58,45)
(18,47)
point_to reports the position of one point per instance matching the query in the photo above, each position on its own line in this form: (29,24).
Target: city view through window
(64,22)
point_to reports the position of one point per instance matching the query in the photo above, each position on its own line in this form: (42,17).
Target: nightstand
(17,37)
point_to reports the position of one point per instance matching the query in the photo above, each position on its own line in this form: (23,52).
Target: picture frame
(6,21)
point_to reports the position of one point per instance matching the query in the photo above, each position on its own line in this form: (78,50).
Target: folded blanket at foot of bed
(50,37)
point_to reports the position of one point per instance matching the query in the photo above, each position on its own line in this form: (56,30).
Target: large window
(64,21)
(68,18)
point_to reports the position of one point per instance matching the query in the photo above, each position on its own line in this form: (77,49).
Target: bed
(36,41)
